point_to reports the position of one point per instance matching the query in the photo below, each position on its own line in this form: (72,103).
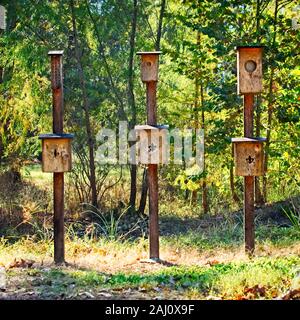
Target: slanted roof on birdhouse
(55,52)
(56,136)
(244,139)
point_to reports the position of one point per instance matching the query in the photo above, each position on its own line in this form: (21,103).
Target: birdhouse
(2,18)
(56,152)
(153,144)
(249,69)
(248,156)
(149,66)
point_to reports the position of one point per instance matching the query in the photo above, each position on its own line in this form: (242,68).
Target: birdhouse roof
(56,52)
(148,127)
(148,52)
(56,136)
(248,47)
(260,140)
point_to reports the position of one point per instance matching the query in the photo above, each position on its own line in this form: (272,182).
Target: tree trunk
(270,106)
(6,74)
(131,102)
(160,25)
(144,191)
(259,200)
(117,96)
(196,103)
(232,184)
(90,139)
(204,186)
(196,113)
(196,122)
(258,195)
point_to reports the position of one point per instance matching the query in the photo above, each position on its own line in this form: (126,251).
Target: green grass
(231,235)
(265,276)
(227,281)
(33,173)
(207,259)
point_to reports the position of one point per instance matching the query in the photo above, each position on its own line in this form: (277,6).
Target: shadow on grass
(68,283)
(222,232)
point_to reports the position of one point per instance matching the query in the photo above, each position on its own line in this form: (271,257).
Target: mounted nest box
(149,66)
(249,69)
(248,156)
(56,152)
(152,144)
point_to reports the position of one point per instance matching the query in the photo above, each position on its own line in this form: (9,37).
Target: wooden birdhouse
(56,152)
(249,69)
(153,144)
(149,66)
(248,156)
(2,18)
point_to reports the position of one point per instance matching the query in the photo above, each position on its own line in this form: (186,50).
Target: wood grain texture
(56,155)
(152,176)
(58,177)
(248,158)
(249,82)
(149,67)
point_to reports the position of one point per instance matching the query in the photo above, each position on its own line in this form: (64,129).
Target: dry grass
(113,257)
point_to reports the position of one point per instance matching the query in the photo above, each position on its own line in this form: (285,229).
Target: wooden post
(149,75)
(153,178)
(58,177)
(249,180)
(249,74)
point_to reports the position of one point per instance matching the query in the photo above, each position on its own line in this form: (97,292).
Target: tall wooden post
(249,180)
(149,75)
(58,177)
(249,71)
(153,178)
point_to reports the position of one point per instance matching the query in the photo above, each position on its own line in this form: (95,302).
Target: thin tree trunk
(160,25)
(258,195)
(204,186)
(196,115)
(6,73)
(90,139)
(197,87)
(131,102)
(259,200)
(270,106)
(232,184)
(144,191)
(117,97)
(1,123)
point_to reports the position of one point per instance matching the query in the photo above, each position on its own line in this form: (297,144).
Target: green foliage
(103,35)
(293,215)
